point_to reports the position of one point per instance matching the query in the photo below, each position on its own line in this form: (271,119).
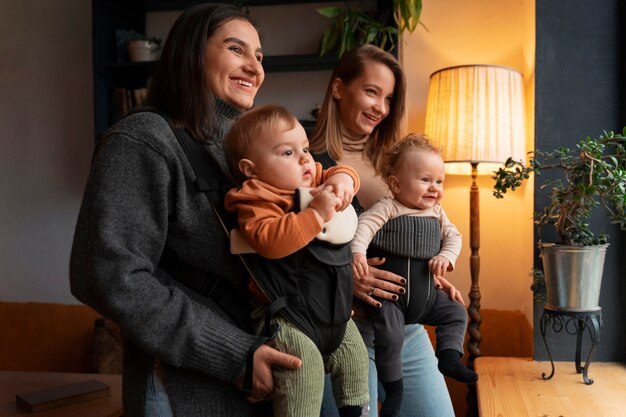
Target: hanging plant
(353,27)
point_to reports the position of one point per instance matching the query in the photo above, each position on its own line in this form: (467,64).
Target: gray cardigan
(140,200)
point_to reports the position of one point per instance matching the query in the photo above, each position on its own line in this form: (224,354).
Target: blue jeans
(425,390)
(157,401)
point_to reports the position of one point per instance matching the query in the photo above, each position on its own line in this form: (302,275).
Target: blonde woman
(360,119)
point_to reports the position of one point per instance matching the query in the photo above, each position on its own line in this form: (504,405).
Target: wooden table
(512,387)
(14,382)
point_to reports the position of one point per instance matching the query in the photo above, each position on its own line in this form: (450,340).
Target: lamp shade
(475,113)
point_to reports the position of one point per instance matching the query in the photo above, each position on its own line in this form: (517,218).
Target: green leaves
(330,11)
(510,177)
(593,175)
(407,14)
(332,35)
(350,28)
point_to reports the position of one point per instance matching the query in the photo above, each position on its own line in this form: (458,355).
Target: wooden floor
(512,387)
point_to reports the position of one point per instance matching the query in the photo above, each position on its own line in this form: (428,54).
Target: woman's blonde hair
(410,142)
(327,134)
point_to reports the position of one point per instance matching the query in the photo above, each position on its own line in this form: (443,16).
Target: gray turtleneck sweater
(140,201)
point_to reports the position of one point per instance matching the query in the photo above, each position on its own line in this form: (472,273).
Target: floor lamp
(475,113)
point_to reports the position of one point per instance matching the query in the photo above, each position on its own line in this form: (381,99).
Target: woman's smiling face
(366,100)
(233,69)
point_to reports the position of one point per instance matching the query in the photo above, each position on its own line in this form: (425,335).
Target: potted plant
(353,27)
(591,177)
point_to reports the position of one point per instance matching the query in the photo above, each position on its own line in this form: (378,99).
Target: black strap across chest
(212,182)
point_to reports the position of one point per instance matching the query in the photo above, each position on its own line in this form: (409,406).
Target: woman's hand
(266,357)
(343,187)
(378,283)
(443,284)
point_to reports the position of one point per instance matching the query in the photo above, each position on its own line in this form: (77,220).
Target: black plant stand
(574,323)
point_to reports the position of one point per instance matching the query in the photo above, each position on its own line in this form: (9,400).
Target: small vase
(140,50)
(573,275)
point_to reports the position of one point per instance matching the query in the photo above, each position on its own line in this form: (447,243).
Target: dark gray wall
(579,92)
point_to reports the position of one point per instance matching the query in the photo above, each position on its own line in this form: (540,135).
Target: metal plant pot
(573,275)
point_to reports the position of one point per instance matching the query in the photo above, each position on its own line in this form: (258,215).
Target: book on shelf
(62,395)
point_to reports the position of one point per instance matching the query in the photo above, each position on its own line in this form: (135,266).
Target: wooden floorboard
(512,387)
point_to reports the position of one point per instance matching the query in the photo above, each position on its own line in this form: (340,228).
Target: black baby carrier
(312,287)
(318,294)
(407,243)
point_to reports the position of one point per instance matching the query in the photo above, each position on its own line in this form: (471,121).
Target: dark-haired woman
(149,252)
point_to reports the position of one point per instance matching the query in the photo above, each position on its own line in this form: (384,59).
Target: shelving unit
(107,16)
(109,74)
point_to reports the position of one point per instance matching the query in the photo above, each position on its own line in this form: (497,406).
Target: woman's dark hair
(179,87)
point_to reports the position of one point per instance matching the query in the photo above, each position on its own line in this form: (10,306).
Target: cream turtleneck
(372,186)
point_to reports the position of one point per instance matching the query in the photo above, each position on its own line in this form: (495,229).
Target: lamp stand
(474,294)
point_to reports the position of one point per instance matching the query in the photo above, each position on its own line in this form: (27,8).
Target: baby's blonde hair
(410,142)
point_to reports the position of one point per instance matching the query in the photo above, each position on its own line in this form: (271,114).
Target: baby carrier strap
(212,182)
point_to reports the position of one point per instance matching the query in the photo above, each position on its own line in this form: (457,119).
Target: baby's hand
(442,284)
(343,187)
(360,269)
(438,265)
(324,202)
